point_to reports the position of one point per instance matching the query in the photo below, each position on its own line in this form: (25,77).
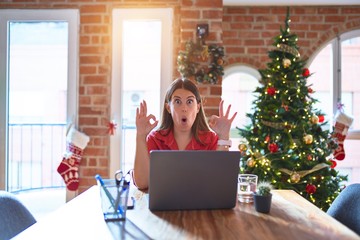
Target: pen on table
(108,194)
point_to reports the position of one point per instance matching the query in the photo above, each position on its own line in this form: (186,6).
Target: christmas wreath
(191,62)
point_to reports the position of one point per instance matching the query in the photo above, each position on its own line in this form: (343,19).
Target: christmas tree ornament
(314,119)
(308,139)
(342,124)
(250,162)
(333,164)
(267,139)
(273,147)
(295,177)
(309,157)
(310,90)
(242,147)
(310,188)
(286,62)
(306,72)
(69,167)
(271,91)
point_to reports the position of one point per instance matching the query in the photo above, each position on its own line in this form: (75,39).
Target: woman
(183,127)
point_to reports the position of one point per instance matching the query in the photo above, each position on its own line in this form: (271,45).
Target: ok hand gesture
(143,121)
(221,124)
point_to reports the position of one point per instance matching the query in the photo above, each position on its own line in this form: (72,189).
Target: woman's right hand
(143,121)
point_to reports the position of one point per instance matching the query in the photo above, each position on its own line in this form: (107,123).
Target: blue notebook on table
(193,180)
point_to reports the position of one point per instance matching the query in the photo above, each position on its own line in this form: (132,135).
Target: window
(38,94)
(335,80)
(238,85)
(142,70)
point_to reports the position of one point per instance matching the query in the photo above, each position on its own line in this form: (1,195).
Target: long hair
(200,123)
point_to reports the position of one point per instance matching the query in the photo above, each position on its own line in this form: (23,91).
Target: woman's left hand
(221,124)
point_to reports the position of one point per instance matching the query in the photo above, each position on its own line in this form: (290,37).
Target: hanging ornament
(271,91)
(315,119)
(333,164)
(286,107)
(295,177)
(310,90)
(250,162)
(308,139)
(310,188)
(242,147)
(310,157)
(286,62)
(267,139)
(321,118)
(112,127)
(306,72)
(273,147)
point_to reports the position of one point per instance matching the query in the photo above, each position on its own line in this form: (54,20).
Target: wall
(246,33)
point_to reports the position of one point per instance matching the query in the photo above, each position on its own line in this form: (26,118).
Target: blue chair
(346,207)
(14,216)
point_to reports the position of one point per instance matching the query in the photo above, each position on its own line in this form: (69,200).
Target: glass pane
(350,72)
(38,63)
(140,79)
(321,81)
(237,90)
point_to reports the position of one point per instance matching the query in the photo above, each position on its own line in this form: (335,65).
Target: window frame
(6,15)
(119,15)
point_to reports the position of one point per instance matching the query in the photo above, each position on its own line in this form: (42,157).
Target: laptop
(193,180)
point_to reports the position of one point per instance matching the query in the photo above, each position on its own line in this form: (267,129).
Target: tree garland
(189,62)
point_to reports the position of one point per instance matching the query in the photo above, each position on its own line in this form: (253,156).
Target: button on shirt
(158,140)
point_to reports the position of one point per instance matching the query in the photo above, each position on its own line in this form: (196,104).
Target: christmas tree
(286,141)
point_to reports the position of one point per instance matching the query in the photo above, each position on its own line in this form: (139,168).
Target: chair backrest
(14,216)
(346,207)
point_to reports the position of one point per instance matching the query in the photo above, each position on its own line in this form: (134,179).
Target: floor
(41,202)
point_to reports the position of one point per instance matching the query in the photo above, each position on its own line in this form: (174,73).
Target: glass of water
(247,187)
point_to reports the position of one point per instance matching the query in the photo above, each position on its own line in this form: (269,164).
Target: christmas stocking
(69,166)
(342,124)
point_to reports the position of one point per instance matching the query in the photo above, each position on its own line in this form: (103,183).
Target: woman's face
(183,108)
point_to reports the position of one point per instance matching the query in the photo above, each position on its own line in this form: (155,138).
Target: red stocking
(342,124)
(69,166)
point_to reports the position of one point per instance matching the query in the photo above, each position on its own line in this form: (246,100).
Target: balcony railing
(35,151)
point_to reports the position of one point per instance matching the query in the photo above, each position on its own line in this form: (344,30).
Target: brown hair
(200,123)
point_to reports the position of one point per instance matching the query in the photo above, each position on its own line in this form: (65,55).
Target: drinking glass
(247,187)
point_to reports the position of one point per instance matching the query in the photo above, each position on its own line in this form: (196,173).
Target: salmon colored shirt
(157,140)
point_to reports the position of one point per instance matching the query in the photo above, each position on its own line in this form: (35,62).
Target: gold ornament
(308,139)
(315,119)
(295,177)
(250,162)
(242,147)
(286,63)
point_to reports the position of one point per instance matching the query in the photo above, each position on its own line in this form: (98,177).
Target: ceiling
(289,3)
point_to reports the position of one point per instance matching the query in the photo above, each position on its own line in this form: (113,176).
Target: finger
(228,111)
(221,105)
(233,117)
(145,107)
(137,112)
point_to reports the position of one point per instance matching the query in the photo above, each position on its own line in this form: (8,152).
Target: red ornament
(112,127)
(306,72)
(333,163)
(271,91)
(267,138)
(310,90)
(309,157)
(273,147)
(310,189)
(321,118)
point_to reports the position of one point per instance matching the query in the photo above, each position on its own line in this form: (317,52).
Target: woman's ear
(167,107)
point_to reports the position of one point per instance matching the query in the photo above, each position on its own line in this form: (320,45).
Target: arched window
(335,80)
(238,85)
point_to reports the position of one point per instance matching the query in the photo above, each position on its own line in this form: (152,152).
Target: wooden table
(291,217)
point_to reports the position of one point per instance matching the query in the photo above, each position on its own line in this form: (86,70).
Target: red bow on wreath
(112,127)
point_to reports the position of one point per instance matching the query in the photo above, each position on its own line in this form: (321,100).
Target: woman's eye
(190,101)
(177,101)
